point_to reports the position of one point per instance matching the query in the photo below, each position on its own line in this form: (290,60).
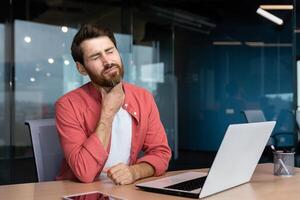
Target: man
(104,124)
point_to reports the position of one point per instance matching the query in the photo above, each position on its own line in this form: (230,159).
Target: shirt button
(126,105)
(134,113)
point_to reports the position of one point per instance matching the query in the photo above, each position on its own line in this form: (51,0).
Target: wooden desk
(262,186)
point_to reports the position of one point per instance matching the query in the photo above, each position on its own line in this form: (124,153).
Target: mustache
(110,65)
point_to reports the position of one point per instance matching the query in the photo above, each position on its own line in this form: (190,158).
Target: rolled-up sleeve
(156,148)
(84,154)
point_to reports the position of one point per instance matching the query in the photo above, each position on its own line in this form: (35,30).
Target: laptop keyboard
(189,185)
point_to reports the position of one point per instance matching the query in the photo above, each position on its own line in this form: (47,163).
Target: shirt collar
(94,92)
(130,103)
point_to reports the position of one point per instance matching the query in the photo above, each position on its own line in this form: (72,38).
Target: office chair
(297,155)
(258,116)
(254,116)
(46,148)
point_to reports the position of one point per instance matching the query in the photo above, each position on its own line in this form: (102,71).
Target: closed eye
(95,57)
(110,50)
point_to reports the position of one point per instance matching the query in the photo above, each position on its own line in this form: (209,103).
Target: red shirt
(77,114)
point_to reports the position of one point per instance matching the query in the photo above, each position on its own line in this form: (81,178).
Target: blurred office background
(204,61)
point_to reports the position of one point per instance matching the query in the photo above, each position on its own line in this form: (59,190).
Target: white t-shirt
(120,139)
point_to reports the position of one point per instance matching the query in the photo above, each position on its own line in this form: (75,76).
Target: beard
(110,80)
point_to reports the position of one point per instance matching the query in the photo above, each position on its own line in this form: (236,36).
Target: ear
(81,69)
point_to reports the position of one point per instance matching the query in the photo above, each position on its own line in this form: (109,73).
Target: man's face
(102,61)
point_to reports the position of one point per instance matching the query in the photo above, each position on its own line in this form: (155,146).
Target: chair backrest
(46,148)
(298,118)
(254,115)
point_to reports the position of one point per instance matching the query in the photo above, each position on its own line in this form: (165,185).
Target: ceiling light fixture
(269,16)
(255,44)
(27,39)
(277,7)
(51,60)
(263,44)
(66,62)
(64,29)
(227,43)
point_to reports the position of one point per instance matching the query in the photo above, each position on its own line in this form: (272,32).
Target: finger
(111,178)
(103,92)
(118,87)
(120,173)
(105,169)
(121,179)
(124,176)
(114,169)
(125,179)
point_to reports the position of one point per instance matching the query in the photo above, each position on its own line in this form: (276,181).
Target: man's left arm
(122,174)
(157,153)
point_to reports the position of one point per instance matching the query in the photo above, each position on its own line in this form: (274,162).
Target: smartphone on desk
(95,195)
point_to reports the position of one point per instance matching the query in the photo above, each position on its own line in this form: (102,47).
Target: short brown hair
(89,31)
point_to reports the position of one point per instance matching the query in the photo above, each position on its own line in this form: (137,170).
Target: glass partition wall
(244,62)
(43,69)
(5,93)
(4,137)
(296,38)
(204,62)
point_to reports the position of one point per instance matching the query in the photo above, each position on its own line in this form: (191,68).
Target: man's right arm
(111,103)
(85,155)
(103,129)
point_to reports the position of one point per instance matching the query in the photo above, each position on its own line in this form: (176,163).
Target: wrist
(134,169)
(106,117)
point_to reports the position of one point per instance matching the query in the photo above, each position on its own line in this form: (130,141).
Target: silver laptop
(234,164)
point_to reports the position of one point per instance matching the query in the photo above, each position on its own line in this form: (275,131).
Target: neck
(107,89)
(99,88)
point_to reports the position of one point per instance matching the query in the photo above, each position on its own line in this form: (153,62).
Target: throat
(98,87)
(107,89)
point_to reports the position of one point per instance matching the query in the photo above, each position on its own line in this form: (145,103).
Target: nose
(106,62)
